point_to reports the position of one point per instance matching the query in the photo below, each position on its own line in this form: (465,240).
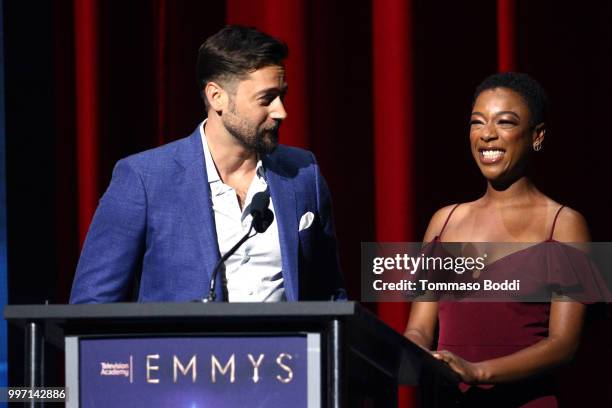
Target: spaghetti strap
(552,230)
(447,219)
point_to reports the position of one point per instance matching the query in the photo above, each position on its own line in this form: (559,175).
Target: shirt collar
(211,170)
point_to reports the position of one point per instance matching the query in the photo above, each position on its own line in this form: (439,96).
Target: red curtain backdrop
(87,102)
(393,130)
(393,137)
(380,90)
(506,24)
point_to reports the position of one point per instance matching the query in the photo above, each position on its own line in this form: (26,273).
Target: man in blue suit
(170,212)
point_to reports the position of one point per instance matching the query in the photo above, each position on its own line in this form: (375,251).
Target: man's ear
(216,96)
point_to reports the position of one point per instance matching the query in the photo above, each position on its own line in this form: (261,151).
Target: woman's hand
(470,372)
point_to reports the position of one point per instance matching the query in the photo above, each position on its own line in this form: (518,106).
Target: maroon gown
(478,331)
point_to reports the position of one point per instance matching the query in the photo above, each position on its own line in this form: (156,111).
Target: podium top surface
(162,311)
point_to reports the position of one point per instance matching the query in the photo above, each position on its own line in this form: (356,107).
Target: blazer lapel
(192,184)
(282,193)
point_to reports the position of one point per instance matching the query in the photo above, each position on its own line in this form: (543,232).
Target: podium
(310,354)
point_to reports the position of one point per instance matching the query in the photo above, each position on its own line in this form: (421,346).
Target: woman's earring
(537,146)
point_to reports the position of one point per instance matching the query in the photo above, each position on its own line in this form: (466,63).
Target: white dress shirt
(254,272)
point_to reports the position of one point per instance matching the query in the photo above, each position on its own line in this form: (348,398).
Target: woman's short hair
(528,88)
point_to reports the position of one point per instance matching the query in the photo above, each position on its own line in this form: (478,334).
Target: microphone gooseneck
(262,219)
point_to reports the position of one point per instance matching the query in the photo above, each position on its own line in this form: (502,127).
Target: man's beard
(259,140)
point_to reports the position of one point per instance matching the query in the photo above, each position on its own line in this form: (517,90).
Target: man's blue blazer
(156,220)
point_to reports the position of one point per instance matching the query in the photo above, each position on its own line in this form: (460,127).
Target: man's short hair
(528,88)
(236,51)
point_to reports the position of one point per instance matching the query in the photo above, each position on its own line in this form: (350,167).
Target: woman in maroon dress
(504,351)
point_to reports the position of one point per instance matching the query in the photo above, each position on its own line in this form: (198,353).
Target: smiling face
(501,134)
(255,109)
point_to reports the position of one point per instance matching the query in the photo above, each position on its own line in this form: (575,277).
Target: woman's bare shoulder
(437,221)
(571,226)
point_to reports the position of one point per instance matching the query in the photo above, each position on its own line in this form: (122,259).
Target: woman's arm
(422,323)
(424,315)
(565,325)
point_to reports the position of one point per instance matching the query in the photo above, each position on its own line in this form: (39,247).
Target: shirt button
(246,259)
(250,292)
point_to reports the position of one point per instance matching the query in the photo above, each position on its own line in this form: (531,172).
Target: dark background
(147,96)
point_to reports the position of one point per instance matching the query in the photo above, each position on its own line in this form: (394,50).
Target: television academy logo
(118,369)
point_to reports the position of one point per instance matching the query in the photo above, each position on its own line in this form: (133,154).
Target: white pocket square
(306,220)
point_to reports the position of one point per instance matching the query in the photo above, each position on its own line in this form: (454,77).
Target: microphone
(262,215)
(262,219)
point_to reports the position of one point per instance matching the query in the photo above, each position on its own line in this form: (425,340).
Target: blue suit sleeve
(327,249)
(113,249)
